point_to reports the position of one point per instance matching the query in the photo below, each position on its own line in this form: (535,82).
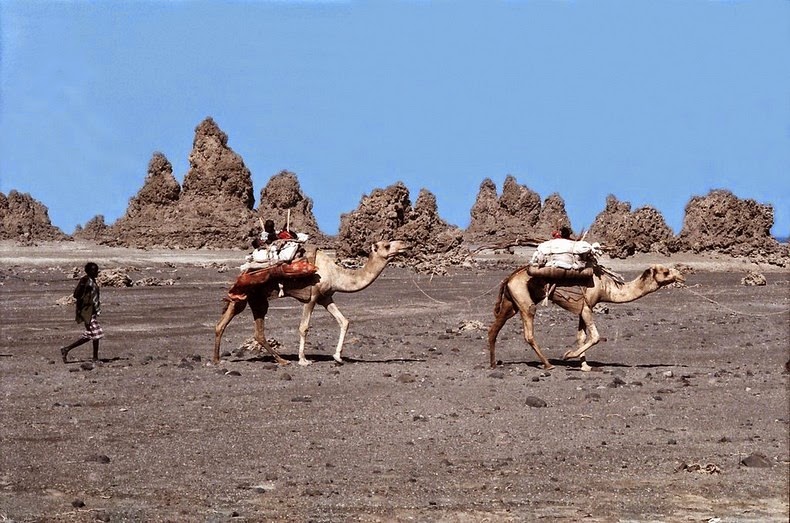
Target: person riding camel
(274,248)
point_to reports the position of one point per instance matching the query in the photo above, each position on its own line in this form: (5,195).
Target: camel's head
(666,275)
(387,249)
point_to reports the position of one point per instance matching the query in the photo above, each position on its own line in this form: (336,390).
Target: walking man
(88,309)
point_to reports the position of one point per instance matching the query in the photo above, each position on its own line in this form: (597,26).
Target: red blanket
(248,280)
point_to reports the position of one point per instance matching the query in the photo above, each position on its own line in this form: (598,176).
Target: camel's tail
(500,296)
(504,294)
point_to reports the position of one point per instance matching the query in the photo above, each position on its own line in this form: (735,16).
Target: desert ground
(683,418)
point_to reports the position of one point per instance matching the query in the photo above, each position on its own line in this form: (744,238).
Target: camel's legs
(259,306)
(506,311)
(232,309)
(260,337)
(581,337)
(528,320)
(343,322)
(592,337)
(304,326)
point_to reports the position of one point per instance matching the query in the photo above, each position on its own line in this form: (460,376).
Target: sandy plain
(684,417)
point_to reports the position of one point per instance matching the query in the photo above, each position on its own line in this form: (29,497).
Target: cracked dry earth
(683,418)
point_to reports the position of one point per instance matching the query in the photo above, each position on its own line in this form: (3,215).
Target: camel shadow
(100,360)
(316,358)
(575,365)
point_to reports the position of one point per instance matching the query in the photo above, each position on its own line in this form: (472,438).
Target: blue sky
(652,101)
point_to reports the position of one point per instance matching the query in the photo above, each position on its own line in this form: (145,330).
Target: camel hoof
(548,367)
(338,360)
(283,363)
(585,367)
(305,363)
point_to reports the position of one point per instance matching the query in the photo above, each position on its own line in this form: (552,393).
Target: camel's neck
(629,291)
(345,280)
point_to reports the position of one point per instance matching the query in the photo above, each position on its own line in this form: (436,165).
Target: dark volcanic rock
(282,194)
(624,233)
(25,219)
(722,222)
(516,214)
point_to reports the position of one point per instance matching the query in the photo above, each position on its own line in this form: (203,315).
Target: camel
(521,293)
(318,289)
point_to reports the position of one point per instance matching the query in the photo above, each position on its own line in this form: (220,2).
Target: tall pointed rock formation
(282,197)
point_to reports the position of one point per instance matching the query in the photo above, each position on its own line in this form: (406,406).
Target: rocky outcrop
(151,218)
(378,217)
(24,219)
(623,233)
(95,230)
(516,214)
(436,245)
(215,206)
(722,222)
(212,209)
(388,214)
(282,197)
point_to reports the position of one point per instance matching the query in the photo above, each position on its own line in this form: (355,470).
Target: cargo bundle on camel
(564,260)
(276,256)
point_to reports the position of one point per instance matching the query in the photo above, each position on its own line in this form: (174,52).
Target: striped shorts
(93,330)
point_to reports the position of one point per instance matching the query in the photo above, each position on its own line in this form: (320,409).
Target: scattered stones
(616,382)
(497,374)
(406,378)
(536,402)
(153,282)
(469,325)
(114,278)
(756,460)
(709,468)
(753,278)
(66,300)
(98,458)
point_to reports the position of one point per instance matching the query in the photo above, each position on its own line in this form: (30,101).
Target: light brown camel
(521,293)
(318,289)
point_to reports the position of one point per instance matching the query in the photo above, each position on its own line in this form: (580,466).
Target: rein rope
(753,314)
(468,300)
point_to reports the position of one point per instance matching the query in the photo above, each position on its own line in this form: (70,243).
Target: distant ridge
(215,208)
